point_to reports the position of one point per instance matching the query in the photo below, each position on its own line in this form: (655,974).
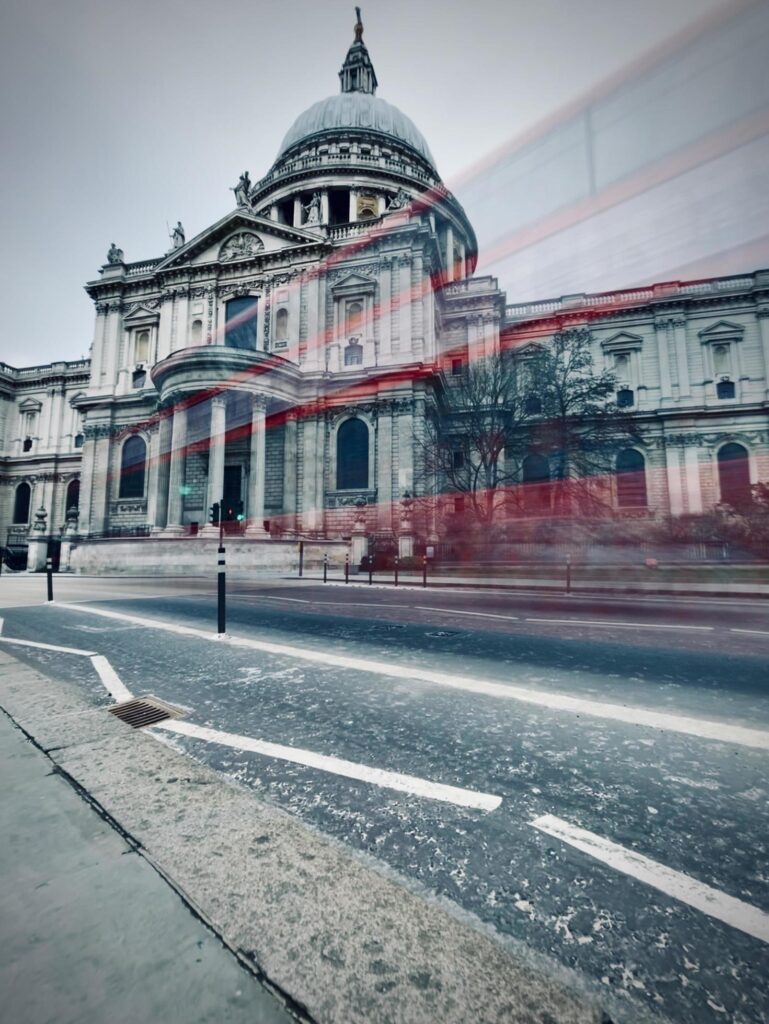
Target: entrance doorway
(233,493)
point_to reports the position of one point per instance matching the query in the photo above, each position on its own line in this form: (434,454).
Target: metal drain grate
(142,711)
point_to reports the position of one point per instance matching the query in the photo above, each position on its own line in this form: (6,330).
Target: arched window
(281,325)
(631,479)
(536,479)
(79,439)
(21,503)
(353,354)
(196,332)
(240,327)
(142,347)
(133,464)
(73,495)
(354,318)
(352,455)
(734,474)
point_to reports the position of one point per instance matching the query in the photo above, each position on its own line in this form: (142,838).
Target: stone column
(353,209)
(692,470)
(449,253)
(297,212)
(385,310)
(161,477)
(255,526)
(101,481)
(289,473)
(763,324)
(215,490)
(384,469)
(663,361)
(153,468)
(675,492)
(405,447)
(176,471)
(678,324)
(309,443)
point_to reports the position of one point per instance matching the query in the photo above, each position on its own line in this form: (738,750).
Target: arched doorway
(734,474)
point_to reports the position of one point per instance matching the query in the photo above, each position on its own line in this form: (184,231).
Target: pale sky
(118,118)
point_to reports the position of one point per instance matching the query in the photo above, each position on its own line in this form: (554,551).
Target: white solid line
(620,625)
(704,728)
(755,632)
(729,909)
(459,611)
(269,597)
(45,647)
(111,680)
(338,766)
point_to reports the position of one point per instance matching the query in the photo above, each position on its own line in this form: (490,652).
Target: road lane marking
(338,766)
(755,632)
(335,765)
(46,647)
(269,597)
(620,625)
(704,728)
(460,611)
(732,911)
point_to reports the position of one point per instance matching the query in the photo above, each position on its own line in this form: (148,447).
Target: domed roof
(361,110)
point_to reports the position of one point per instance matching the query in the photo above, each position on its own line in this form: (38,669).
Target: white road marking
(620,625)
(269,597)
(755,632)
(717,904)
(459,611)
(45,647)
(705,729)
(338,766)
(111,680)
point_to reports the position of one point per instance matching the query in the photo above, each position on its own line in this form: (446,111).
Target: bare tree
(470,439)
(579,427)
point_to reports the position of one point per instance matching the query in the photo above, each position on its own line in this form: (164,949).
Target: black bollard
(49,574)
(325,568)
(301,557)
(221,595)
(370,568)
(347,568)
(568,574)
(395,566)
(424,570)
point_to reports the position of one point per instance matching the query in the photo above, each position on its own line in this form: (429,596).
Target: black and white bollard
(49,574)
(221,595)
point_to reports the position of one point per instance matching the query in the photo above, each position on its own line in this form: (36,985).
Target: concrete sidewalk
(96,927)
(89,932)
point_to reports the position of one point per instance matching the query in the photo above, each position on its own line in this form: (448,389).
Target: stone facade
(285,358)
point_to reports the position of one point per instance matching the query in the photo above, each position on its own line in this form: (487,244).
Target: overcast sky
(120,117)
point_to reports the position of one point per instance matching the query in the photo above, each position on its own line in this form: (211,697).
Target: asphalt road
(407,700)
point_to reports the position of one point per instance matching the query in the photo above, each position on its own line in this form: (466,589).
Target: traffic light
(213,514)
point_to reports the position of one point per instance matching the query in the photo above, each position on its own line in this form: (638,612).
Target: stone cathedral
(282,362)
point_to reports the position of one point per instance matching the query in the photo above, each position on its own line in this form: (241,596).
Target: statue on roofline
(177,235)
(115,255)
(242,190)
(358,26)
(313,210)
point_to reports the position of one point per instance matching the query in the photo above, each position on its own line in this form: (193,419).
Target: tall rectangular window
(240,325)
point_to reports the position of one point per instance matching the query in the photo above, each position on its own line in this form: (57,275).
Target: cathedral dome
(361,111)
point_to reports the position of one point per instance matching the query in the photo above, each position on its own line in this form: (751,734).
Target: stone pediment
(353,282)
(238,236)
(622,341)
(141,313)
(30,405)
(722,330)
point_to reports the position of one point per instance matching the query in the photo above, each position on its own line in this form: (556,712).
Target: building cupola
(357,74)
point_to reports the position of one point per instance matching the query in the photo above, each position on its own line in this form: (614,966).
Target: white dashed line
(338,766)
(460,611)
(754,632)
(619,625)
(713,902)
(725,732)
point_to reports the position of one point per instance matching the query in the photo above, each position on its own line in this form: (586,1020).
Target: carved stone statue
(114,254)
(313,210)
(399,201)
(358,26)
(242,190)
(177,235)
(240,246)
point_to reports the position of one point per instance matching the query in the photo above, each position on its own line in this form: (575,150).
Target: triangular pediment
(240,236)
(353,282)
(622,340)
(30,405)
(140,311)
(722,329)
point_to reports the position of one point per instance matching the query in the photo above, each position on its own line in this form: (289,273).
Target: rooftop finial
(357,74)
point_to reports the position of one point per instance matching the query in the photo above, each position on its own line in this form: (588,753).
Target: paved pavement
(95,930)
(89,931)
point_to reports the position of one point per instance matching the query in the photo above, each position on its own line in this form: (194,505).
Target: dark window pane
(532,406)
(21,504)
(456,367)
(240,329)
(734,474)
(725,389)
(133,463)
(353,355)
(625,398)
(79,440)
(73,495)
(27,445)
(631,479)
(536,479)
(352,455)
